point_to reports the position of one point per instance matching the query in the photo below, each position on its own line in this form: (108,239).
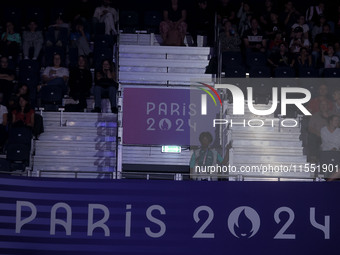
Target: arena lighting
(171,149)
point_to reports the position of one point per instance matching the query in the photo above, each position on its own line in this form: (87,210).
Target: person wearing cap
(298,41)
(300,24)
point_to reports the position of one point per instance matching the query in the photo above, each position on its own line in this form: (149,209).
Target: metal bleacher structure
(89,145)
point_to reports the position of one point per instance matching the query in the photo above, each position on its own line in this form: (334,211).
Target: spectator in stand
(317,28)
(10,43)
(273,27)
(173,27)
(313,105)
(336,103)
(202,22)
(225,11)
(83,14)
(304,59)
(105,82)
(323,40)
(313,13)
(229,39)
(265,18)
(7,77)
(254,39)
(274,44)
(316,123)
(330,134)
(80,39)
(281,57)
(80,82)
(298,41)
(3,124)
(55,75)
(32,39)
(301,24)
(289,16)
(23,116)
(107,15)
(244,15)
(328,59)
(22,90)
(57,33)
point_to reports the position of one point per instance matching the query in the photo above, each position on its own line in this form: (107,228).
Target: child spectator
(32,39)
(329,60)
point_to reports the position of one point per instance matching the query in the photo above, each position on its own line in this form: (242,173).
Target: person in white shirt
(56,75)
(108,15)
(329,60)
(330,134)
(301,23)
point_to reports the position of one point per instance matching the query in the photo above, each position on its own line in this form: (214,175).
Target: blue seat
(256,59)
(284,72)
(20,135)
(231,59)
(152,19)
(235,72)
(129,21)
(259,72)
(37,14)
(331,72)
(308,72)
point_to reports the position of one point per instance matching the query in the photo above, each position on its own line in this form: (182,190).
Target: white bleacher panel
(154,156)
(171,63)
(143,69)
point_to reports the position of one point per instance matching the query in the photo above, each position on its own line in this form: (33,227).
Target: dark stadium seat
(129,21)
(4,165)
(284,72)
(235,72)
(37,14)
(18,156)
(20,135)
(231,59)
(13,14)
(51,97)
(331,72)
(259,72)
(152,19)
(256,59)
(308,72)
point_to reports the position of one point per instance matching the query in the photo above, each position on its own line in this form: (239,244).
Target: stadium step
(84,142)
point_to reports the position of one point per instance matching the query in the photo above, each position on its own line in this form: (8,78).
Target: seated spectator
(302,24)
(22,90)
(313,105)
(202,22)
(330,134)
(316,123)
(3,124)
(55,75)
(254,39)
(229,38)
(281,57)
(23,116)
(57,33)
(80,39)
(298,41)
(107,15)
(265,18)
(83,14)
(336,103)
(273,27)
(173,27)
(274,44)
(317,28)
(7,77)
(313,13)
(32,39)
(80,82)
(225,11)
(322,41)
(328,59)
(244,15)
(105,83)
(304,59)
(289,16)
(10,42)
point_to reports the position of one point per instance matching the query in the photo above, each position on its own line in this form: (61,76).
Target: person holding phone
(328,58)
